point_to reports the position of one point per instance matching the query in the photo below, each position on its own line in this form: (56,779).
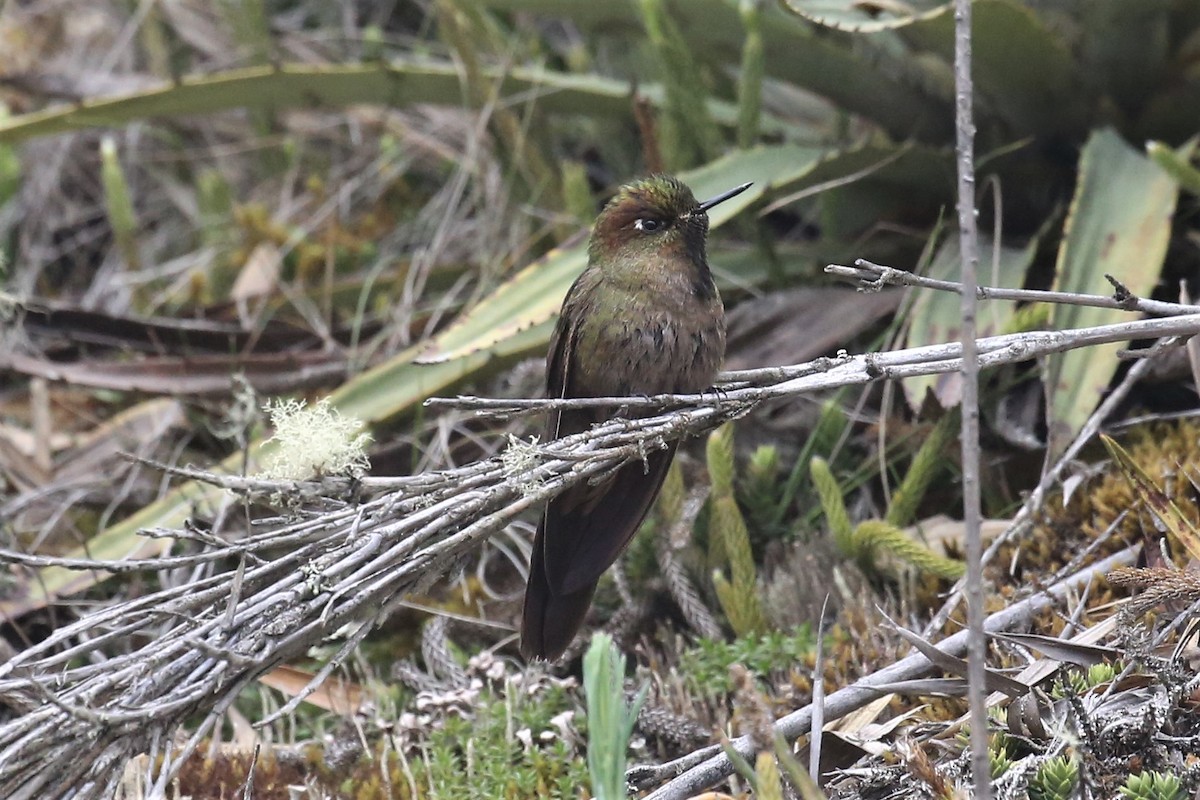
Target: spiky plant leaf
(834,506)
(610,719)
(739,596)
(1105,235)
(1152,785)
(1055,779)
(872,536)
(926,465)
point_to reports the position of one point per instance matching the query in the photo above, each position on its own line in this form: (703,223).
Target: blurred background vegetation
(204,205)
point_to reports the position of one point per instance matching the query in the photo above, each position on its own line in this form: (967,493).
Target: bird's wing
(549,622)
(562,345)
(560,378)
(587,527)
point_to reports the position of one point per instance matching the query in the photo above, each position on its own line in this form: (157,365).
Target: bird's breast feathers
(649,349)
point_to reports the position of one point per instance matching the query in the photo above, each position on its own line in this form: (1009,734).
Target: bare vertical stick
(969,248)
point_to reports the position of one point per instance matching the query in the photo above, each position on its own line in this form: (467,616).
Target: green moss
(705,665)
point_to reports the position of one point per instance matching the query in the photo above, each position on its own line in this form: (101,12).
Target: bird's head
(654,218)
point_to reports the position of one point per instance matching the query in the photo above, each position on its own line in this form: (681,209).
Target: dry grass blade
(1079,653)
(994,680)
(1157,501)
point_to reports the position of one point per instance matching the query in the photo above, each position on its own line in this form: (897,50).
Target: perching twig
(876,276)
(192,654)
(798,379)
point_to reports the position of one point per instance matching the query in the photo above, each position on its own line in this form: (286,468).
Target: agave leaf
(397,83)
(794,52)
(861,185)
(1107,233)
(529,298)
(911,168)
(857,17)
(937,316)
(1022,67)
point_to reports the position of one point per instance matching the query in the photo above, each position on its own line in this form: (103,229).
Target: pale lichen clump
(9,303)
(520,459)
(314,441)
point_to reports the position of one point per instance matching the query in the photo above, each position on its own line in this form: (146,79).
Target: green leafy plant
(610,718)
(999,763)
(119,203)
(1076,681)
(927,464)
(1055,779)
(507,739)
(831,426)
(1152,786)
(864,541)
(760,488)
(729,541)
(705,664)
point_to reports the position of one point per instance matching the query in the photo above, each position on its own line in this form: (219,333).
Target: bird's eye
(648,225)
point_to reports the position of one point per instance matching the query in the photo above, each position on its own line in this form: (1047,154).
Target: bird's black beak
(723,196)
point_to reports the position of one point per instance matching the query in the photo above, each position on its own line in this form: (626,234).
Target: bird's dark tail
(549,622)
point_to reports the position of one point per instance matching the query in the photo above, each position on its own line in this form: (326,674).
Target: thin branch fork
(874,277)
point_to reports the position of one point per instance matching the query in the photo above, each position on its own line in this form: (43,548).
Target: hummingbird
(643,318)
